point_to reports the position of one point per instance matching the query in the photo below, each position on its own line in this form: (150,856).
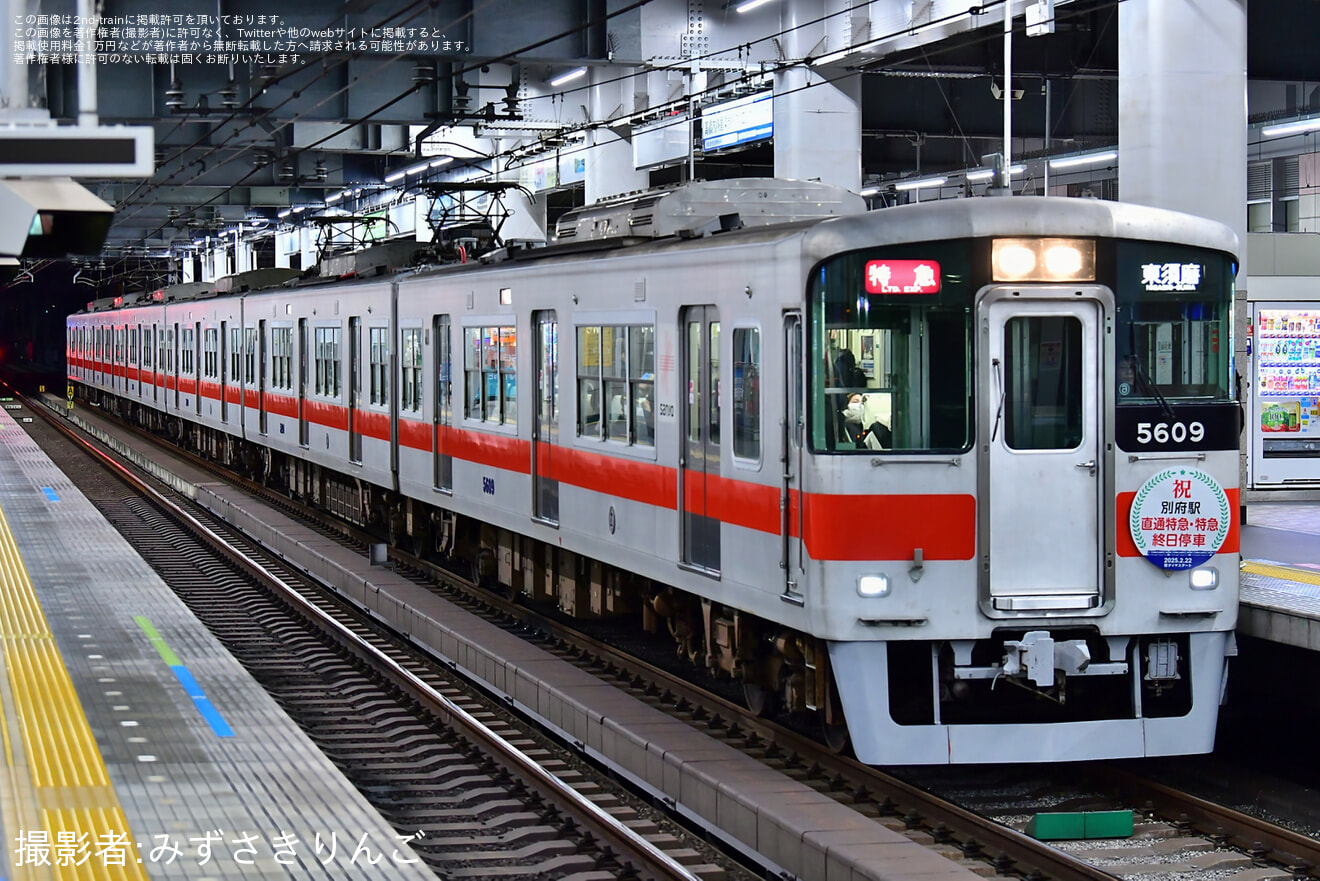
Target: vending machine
(1285,423)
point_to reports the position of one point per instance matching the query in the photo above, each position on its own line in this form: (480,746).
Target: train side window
(380,360)
(589,394)
(327,361)
(281,357)
(614,375)
(746,392)
(411,370)
(236,354)
(641,383)
(250,355)
(615,383)
(508,379)
(210,352)
(490,369)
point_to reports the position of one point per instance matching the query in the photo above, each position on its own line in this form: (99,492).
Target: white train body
(961,585)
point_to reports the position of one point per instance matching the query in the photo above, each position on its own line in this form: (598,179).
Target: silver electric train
(958,479)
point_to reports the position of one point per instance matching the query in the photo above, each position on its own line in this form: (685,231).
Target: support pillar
(1182,124)
(817,114)
(610,170)
(1182,121)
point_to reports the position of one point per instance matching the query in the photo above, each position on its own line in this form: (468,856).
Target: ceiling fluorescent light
(443,160)
(918,184)
(985,174)
(396,176)
(1299,127)
(285,213)
(1090,159)
(869,191)
(330,200)
(749,5)
(568,77)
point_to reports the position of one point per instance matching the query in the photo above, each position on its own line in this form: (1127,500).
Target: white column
(1182,123)
(817,114)
(609,168)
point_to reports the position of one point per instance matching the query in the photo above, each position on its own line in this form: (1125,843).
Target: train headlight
(873,586)
(1063,261)
(1043,260)
(1205,579)
(1013,261)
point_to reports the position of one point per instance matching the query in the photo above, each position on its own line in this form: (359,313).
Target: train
(954,481)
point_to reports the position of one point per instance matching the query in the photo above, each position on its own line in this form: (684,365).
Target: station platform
(1280,597)
(134,745)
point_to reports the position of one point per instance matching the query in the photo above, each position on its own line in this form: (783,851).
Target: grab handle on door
(1088,465)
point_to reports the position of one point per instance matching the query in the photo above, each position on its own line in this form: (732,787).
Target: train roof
(1015,216)
(931,221)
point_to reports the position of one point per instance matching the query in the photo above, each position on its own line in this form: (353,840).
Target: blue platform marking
(50,494)
(202,702)
(212,716)
(186,679)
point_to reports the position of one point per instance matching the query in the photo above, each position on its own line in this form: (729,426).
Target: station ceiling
(243,141)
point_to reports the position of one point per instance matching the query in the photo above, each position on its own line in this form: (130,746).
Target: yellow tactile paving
(64,781)
(1287,573)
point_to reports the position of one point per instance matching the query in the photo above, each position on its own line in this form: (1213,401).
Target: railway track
(970,819)
(478,790)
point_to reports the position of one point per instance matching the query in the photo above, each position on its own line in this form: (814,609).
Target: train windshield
(891,340)
(1174,323)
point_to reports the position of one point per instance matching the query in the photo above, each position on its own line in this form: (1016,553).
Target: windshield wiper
(1144,379)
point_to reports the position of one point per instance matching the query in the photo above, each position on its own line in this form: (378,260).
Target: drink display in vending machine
(1288,379)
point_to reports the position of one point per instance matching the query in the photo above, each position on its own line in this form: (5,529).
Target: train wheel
(760,700)
(835,735)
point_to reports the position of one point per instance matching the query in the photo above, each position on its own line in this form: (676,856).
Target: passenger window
(747,393)
(615,383)
(491,374)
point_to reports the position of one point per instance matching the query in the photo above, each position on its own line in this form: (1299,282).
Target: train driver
(875,436)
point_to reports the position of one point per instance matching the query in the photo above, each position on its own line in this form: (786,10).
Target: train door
(444,404)
(224,371)
(140,337)
(792,435)
(1043,465)
(174,361)
(304,438)
(198,366)
(261,376)
(700,467)
(116,358)
(354,388)
(545,427)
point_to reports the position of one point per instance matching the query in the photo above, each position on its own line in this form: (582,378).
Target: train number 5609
(1163,432)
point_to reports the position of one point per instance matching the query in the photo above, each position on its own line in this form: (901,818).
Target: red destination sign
(902,277)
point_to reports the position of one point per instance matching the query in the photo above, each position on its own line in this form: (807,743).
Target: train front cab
(989,586)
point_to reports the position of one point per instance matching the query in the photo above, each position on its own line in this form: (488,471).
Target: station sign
(1180,518)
